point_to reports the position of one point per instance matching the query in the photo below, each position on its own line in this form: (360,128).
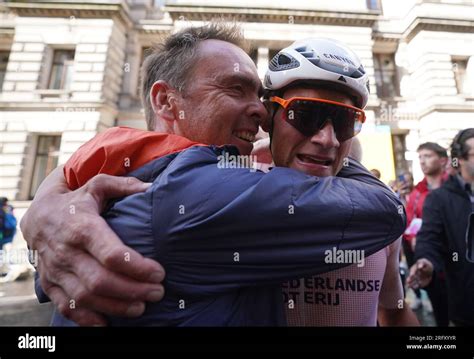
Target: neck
(163,127)
(434,181)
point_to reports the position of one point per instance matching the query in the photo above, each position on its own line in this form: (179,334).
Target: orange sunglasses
(309,115)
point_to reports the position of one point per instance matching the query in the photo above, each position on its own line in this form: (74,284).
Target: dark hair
(376,172)
(459,148)
(174,59)
(431,146)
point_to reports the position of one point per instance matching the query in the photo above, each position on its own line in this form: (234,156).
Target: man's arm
(84,267)
(430,248)
(393,310)
(253,228)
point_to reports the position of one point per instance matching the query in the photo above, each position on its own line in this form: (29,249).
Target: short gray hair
(173,60)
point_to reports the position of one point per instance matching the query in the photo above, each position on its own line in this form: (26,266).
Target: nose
(258,111)
(326,137)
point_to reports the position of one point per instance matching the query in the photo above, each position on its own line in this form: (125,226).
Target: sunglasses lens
(308,117)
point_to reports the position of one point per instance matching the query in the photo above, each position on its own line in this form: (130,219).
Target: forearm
(397,317)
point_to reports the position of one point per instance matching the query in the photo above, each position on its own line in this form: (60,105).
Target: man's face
(467,165)
(221,104)
(309,154)
(431,163)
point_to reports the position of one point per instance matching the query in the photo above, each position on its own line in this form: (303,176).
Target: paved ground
(19,306)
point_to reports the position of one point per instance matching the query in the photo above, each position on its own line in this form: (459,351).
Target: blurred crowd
(438,241)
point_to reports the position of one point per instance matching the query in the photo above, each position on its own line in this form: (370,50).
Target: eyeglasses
(309,115)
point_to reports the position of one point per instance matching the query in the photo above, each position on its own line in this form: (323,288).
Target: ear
(444,161)
(266,123)
(163,101)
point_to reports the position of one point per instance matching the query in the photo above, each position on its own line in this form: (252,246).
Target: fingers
(75,270)
(59,298)
(81,316)
(421,265)
(412,279)
(99,281)
(80,298)
(413,270)
(104,245)
(420,274)
(104,186)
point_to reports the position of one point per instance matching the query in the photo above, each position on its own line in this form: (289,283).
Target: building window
(146,51)
(374,5)
(46,160)
(3,66)
(61,69)
(459,69)
(386,79)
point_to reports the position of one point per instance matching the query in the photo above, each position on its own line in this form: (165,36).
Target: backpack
(8,225)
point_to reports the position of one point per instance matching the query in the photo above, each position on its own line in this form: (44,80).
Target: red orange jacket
(118,151)
(415,201)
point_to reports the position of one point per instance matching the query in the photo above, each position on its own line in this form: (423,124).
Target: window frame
(55,158)
(67,65)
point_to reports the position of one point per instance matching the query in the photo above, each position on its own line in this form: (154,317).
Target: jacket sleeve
(235,227)
(431,238)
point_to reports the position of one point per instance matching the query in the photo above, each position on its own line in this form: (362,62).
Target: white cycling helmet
(324,61)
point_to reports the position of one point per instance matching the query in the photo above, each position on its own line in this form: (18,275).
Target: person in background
(446,238)
(433,159)
(376,173)
(7,222)
(7,228)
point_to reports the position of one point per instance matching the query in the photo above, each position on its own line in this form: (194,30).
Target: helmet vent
(309,54)
(282,62)
(358,73)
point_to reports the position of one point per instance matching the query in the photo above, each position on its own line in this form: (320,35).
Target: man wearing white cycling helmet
(227,237)
(316,92)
